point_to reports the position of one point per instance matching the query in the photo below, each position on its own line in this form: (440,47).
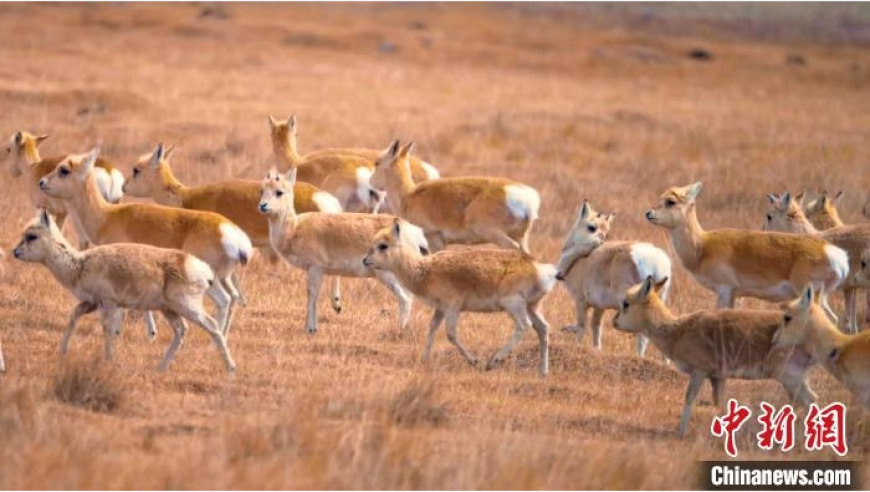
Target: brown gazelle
(715,345)
(599,279)
(209,236)
(125,276)
(320,243)
(822,211)
(469,210)
(24,159)
(784,214)
(237,199)
(846,357)
(345,175)
(735,263)
(478,280)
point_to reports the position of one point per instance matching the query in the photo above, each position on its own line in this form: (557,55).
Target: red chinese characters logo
(823,427)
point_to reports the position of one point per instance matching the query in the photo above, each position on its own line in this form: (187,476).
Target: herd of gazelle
(323,212)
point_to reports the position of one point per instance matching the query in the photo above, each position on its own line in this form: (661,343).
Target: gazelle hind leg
(223,300)
(235,298)
(194,312)
(111,317)
(236,290)
(521,322)
(543,330)
(336,294)
(150,325)
(179,329)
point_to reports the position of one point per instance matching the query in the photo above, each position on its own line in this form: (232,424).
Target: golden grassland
(577,103)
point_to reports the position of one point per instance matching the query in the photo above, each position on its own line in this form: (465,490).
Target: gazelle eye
(625,305)
(382,247)
(64,171)
(279,193)
(787,318)
(136,172)
(670,202)
(30,237)
(863,265)
(592,228)
(769,217)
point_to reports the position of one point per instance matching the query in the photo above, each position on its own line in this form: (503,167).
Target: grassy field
(580,102)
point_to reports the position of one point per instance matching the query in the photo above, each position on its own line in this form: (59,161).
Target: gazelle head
(276,195)
(823,210)
(588,233)
(283,133)
(395,246)
(17,149)
(69,177)
(676,204)
(148,175)
(37,238)
(797,318)
(391,165)
(782,212)
(641,306)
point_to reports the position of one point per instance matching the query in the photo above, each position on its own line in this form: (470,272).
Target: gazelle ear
(272,122)
(167,152)
(157,155)
(393,149)
(772,197)
(839,196)
(807,297)
(584,211)
(45,218)
(406,150)
(397,229)
(660,285)
(694,191)
(291,123)
(645,288)
(800,197)
(291,175)
(18,138)
(44,136)
(610,216)
(272,175)
(91,160)
(786,200)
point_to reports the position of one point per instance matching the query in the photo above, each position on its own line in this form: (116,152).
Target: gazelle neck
(64,262)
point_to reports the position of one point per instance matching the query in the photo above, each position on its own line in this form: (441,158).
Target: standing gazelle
(599,278)
(125,276)
(470,210)
(236,200)
(735,263)
(784,214)
(209,236)
(320,243)
(471,280)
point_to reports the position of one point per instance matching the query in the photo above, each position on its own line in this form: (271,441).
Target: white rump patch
(651,261)
(236,243)
(327,202)
(523,201)
(104,182)
(117,191)
(839,261)
(546,276)
(363,183)
(198,271)
(414,235)
(431,172)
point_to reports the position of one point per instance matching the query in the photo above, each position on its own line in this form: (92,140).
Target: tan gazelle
(207,235)
(125,276)
(715,345)
(469,210)
(599,279)
(846,357)
(470,280)
(784,214)
(22,151)
(345,175)
(237,200)
(735,263)
(822,211)
(325,244)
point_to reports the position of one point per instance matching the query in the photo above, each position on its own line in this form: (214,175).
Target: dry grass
(583,103)
(88,384)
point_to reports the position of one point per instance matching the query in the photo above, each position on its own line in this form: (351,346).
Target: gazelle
(237,200)
(321,243)
(125,276)
(207,235)
(715,345)
(24,158)
(784,214)
(471,210)
(735,263)
(822,211)
(478,280)
(345,174)
(599,278)
(846,357)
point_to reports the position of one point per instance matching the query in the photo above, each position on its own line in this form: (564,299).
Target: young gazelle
(345,175)
(237,200)
(599,279)
(734,263)
(209,236)
(784,214)
(715,345)
(125,276)
(320,243)
(23,154)
(822,211)
(846,357)
(469,210)
(477,280)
